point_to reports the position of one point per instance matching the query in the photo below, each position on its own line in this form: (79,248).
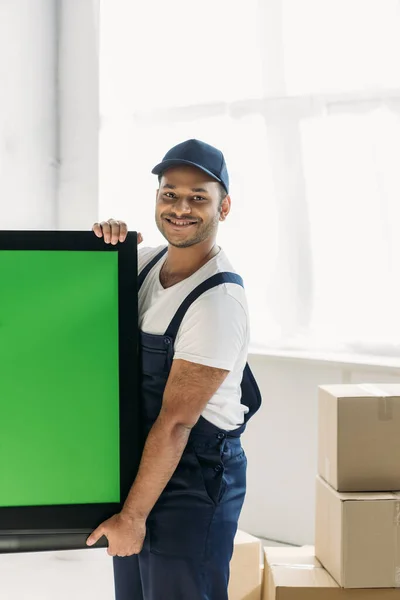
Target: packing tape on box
(385,400)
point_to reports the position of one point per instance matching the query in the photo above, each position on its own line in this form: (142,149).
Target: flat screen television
(69,410)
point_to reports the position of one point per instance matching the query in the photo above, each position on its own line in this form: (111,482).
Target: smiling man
(173,539)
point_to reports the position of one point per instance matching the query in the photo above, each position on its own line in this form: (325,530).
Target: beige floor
(77,575)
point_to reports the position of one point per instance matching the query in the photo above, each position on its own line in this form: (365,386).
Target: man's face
(188,206)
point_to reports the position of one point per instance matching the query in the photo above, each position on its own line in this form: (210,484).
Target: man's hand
(113,231)
(125,535)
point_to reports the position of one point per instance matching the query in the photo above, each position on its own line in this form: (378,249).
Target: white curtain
(303,97)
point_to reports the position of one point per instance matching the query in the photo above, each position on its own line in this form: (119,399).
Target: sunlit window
(304,100)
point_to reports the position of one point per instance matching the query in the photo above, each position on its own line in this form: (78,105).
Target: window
(304,100)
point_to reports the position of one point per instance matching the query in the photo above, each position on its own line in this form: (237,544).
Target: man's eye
(198,198)
(169,195)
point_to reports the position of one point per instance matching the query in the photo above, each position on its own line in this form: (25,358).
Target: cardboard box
(357,537)
(295,574)
(290,555)
(245,579)
(359,441)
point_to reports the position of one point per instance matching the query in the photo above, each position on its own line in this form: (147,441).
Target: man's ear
(225,208)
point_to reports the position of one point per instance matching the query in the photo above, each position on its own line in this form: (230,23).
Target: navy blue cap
(197,154)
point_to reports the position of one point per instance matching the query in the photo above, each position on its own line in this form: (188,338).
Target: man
(174,536)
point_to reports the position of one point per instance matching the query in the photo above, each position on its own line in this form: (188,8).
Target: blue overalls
(191,529)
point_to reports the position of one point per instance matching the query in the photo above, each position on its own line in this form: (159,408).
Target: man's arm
(189,387)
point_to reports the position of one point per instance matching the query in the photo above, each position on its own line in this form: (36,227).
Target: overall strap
(206,285)
(144,272)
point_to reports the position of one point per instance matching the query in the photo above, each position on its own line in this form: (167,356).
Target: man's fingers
(123,231)
(106,229)
(95,536)
(111,551)
(139,238)
(97,230)
(115,229)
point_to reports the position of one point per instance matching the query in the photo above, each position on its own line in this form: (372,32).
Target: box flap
(302,576)
(363,390)
(291,555)
(361,496)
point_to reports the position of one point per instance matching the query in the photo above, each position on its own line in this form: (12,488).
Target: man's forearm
(163,450)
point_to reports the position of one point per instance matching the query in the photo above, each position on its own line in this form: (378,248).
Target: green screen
(59,384)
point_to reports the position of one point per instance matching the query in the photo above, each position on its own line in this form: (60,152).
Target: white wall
(28,145)
(281,443)
(77,203)
(48,114)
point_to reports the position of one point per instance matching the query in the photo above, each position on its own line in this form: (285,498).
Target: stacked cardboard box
(357,545)
(357,511)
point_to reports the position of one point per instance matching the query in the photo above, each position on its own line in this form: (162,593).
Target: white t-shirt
(214,331)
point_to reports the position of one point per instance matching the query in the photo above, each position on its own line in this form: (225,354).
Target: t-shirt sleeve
(213,331)
(145,255)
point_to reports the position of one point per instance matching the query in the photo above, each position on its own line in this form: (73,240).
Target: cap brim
(167,164)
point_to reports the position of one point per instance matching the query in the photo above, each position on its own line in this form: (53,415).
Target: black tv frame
(38,528)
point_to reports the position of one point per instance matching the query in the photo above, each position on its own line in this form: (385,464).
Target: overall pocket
(153,362)
(223,467)
(210,458)
(156,354)
(179,523)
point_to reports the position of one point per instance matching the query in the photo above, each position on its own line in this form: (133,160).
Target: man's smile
(179,223)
